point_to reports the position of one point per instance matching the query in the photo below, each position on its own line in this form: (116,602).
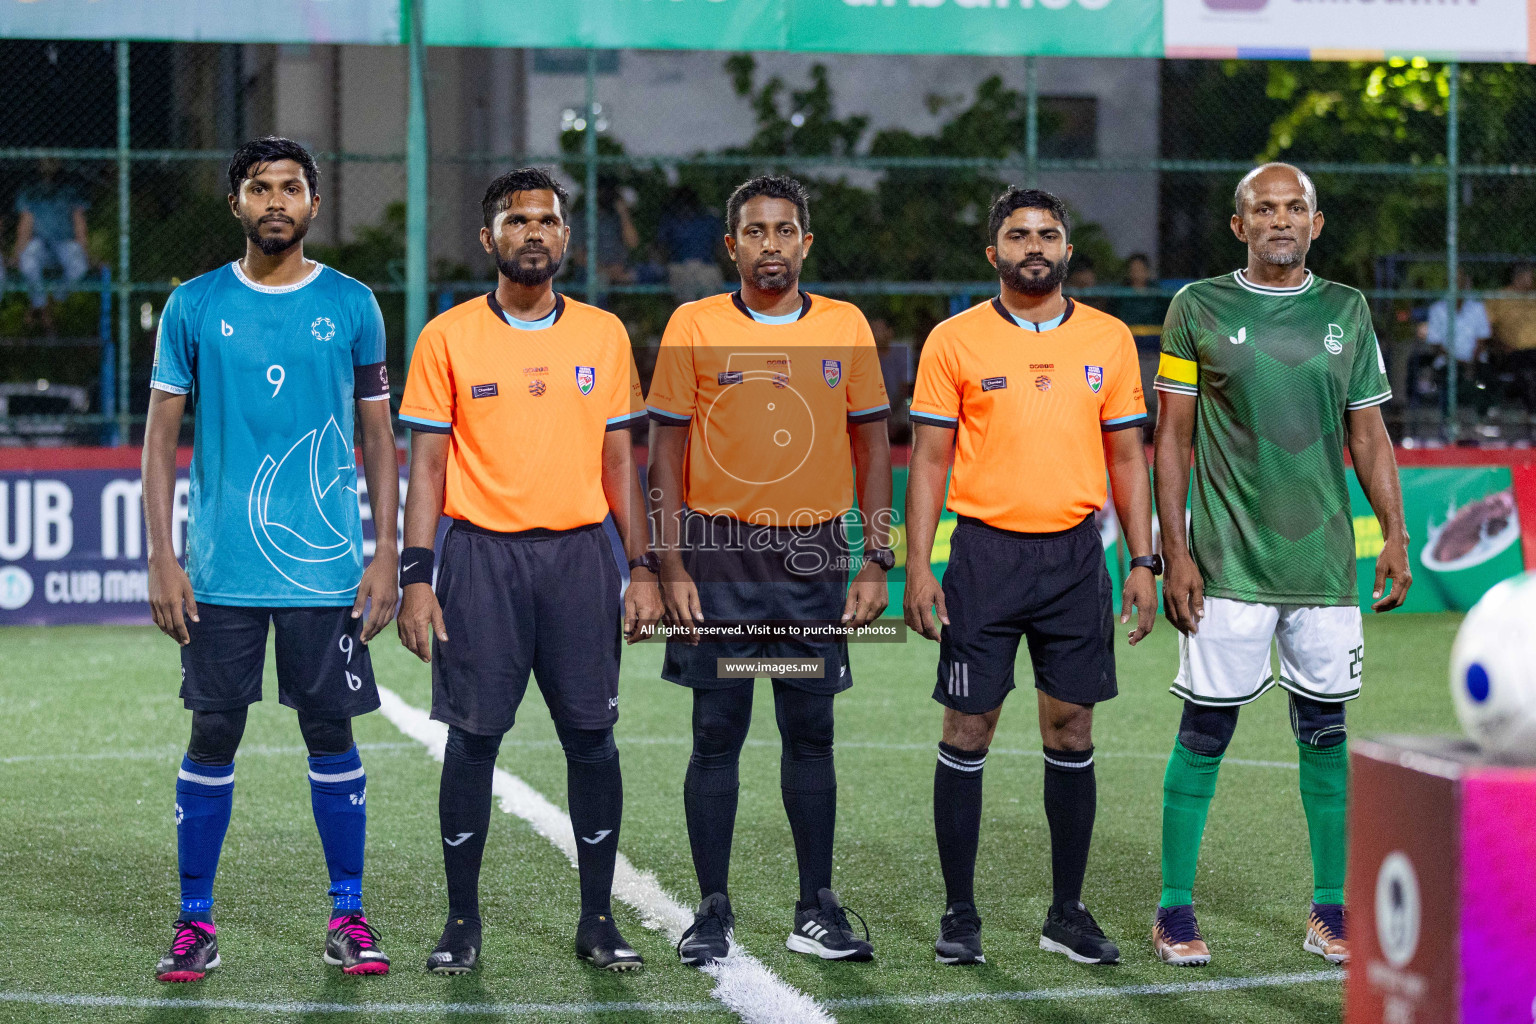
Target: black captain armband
(416,566)
(370,381)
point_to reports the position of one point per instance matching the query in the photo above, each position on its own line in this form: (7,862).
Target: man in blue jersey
(276,349)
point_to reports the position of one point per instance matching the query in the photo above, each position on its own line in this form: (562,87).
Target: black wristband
(416,566)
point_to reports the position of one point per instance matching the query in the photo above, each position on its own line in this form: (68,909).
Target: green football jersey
(1274,371)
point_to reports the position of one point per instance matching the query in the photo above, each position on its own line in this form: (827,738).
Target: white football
(1493,671)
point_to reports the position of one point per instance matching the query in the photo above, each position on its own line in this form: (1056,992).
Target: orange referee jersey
(767,406)
(1029,409)
(526,411)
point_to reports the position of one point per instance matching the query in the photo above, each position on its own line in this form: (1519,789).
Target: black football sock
(709,800)
(808,782)
(1071,798)
(810,801)
(595,791)
(957,819)
(464,814)
(720,722)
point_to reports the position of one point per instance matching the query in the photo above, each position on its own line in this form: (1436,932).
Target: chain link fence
(113,162)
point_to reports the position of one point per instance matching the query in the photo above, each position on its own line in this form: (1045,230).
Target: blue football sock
(337,787)
(204,795)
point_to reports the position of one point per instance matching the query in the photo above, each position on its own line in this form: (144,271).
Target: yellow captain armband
(1178,371)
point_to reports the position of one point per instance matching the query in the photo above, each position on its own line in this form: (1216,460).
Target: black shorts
(748,573)
(545,601)
(323,667)
(1052,589)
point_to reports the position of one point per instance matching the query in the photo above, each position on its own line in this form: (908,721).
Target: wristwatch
(885,558)
(1153,562)
(646,561)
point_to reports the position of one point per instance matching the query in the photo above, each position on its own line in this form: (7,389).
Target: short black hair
(498,195)
(774,186)
(1015,198)
(268,150)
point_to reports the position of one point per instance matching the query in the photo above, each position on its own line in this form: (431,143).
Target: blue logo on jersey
(832,371)
(1095,375)
(586,378)
(298,506)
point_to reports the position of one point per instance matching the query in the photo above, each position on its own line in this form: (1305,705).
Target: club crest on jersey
(832,371)
(1095,375)
(323,329)
(586,377)
(1242,336)
(1043,383)
(1334,342)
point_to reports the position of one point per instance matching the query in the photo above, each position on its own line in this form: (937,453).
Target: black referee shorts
(751,573)
(545,601)
(1051,589)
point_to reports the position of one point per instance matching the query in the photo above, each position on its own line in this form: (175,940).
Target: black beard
(775,283)
(529,277)
(270,245)
(1012,276)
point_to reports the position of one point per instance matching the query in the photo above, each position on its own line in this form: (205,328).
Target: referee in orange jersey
(768,417)
(1033,397)
(521,403)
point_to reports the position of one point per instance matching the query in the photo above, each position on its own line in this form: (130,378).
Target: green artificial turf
(93,734)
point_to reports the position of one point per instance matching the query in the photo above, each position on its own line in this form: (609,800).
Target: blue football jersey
(273,509)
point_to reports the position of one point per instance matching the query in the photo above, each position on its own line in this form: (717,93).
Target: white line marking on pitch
(1172,988)
(742,983)
(580,1009)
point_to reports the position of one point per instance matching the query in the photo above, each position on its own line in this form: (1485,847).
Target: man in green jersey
(1271,372)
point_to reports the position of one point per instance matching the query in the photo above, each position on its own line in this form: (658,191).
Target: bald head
(1277,218)
(1273,173)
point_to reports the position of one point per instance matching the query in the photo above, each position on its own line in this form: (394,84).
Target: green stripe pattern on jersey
(1275,372)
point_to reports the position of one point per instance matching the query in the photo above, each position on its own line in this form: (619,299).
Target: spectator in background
(1512,315)
(50,233)
(1144,312)
(616,237)
(1081,274)
(1467,341)
(690,236)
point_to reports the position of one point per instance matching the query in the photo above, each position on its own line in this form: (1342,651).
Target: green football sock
(1188,786)
(1324,785)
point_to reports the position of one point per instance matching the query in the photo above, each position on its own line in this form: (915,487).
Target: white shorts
(1322,652)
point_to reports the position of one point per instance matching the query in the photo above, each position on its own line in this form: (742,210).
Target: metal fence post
(1031,123)
(123,182)
(1452,231)
(416,167)
(589,149)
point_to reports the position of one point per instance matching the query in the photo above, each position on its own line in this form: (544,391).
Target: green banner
(1065,28)
(1105,28)
(609,24)
(1464,530)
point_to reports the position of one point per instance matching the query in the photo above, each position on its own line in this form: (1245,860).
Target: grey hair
(1246,185)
